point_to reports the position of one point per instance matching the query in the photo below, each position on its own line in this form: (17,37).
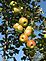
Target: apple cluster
(27,31)
(23,25)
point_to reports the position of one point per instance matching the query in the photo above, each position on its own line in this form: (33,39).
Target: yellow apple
(15,26)
(27,32)
(23,21)
(15,10)
(23,38)
(29,28)
(20,28)
(44,35)
(12,3)
(1,9)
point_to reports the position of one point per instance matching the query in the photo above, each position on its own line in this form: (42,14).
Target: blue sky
(18,57)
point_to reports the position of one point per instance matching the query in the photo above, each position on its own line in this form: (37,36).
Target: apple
(20,28)
(44,35)
(12,3)
(23,38)
(15,26)
(23,21)
(31,43)
(1,9)
(29,28)
(27,32)
(15,10)
(4,46)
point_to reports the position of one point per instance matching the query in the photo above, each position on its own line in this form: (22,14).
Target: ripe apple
(27,32)
(23,21)
(31,43)
(29,28)
(12,3)
(15,26)
(44,35)
(15,10)
(20,28)
(23,38)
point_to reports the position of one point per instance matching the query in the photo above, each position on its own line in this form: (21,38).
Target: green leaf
(33,35)
(23,58)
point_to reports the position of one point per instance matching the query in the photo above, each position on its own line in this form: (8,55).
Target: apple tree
(20,27)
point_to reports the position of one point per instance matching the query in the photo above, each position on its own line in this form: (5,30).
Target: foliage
(11,43)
